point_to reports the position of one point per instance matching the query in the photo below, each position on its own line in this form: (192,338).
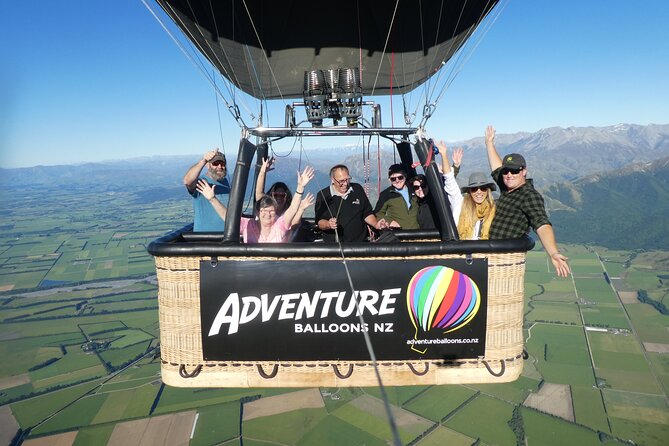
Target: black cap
(514,160)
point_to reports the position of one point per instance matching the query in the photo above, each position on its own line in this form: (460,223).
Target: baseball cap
(514,160)
(218,157)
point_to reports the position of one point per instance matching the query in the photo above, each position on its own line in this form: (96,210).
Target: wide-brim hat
(478,179)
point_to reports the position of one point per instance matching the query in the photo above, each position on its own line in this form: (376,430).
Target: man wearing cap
(206,219)
(520,207)
(396,204)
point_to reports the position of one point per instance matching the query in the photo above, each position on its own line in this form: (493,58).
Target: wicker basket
(181,342)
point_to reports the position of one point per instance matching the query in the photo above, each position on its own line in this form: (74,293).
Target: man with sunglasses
(397,205)
(520,207)
(206,219)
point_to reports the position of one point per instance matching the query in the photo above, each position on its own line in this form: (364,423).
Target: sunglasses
(479,188)
(420,186)
(279,194)
(218,163)
(511,170)
(397,178)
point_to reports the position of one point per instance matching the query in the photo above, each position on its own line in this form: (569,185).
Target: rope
(459,63)
(262,48)
(197,65)
(218,114)
(385,46)
(392,73)
(368,341)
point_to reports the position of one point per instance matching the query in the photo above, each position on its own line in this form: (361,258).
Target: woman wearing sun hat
(478,208)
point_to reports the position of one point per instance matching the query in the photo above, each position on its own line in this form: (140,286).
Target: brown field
(302,399)
(655,347)
(8,425)
(628,297)
(64,439)
(163,430)
(402,417)
(554,399)
(7,287)
(13,381)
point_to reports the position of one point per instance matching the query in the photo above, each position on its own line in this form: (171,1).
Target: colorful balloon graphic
(442,298)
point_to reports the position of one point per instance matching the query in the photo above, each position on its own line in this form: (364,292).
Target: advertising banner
(306,311)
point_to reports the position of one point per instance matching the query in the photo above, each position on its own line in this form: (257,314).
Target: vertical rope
(392,73)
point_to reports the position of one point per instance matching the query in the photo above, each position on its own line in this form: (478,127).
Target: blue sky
(93,80)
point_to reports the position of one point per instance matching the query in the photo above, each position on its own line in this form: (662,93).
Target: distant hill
(558,154)
(621,209)
(553,155)
(603,185)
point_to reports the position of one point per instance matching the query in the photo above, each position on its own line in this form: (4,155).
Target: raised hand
(304,177)
(307,201)
(267,164)
(209,155)
(457,156)
(489,135)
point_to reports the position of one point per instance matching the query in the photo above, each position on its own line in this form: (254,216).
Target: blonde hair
(471,213)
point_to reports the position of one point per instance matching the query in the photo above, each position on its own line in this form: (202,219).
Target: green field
(439,401)
(494,430)
(80,272)
(563,313)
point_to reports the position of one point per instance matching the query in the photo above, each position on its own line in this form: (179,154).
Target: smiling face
(341,180)
(478,194)
(420,188)
(279,194)
(267,215)
(217,170)
(513,177)
(397,180)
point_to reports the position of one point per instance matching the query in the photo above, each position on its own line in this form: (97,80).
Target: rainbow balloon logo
(441,298)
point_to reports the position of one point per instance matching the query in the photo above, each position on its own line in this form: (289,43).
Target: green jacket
(392,206)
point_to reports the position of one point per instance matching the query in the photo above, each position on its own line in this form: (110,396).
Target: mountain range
(607,186)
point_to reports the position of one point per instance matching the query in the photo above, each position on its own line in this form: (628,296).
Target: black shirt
(350,213)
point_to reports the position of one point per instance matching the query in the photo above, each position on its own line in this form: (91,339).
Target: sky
(96,80)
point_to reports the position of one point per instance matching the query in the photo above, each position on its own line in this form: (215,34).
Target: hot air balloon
(302,314)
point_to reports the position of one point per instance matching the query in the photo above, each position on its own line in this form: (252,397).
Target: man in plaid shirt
(520,207)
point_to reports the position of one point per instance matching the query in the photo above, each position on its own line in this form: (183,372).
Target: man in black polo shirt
(520,207)
(343,209)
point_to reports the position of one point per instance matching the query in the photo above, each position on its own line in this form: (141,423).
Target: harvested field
(7,287)
(655,347)
(8,425)
(64,439)
(628,297)
(13,381)
(302,399)
(554,399)
(375,406)
(164,430)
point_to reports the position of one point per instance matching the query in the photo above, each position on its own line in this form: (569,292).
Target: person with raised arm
(267,226)
(206,219)
(426,212)
(520,207)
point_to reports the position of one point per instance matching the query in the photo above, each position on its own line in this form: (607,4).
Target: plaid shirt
(517,211)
